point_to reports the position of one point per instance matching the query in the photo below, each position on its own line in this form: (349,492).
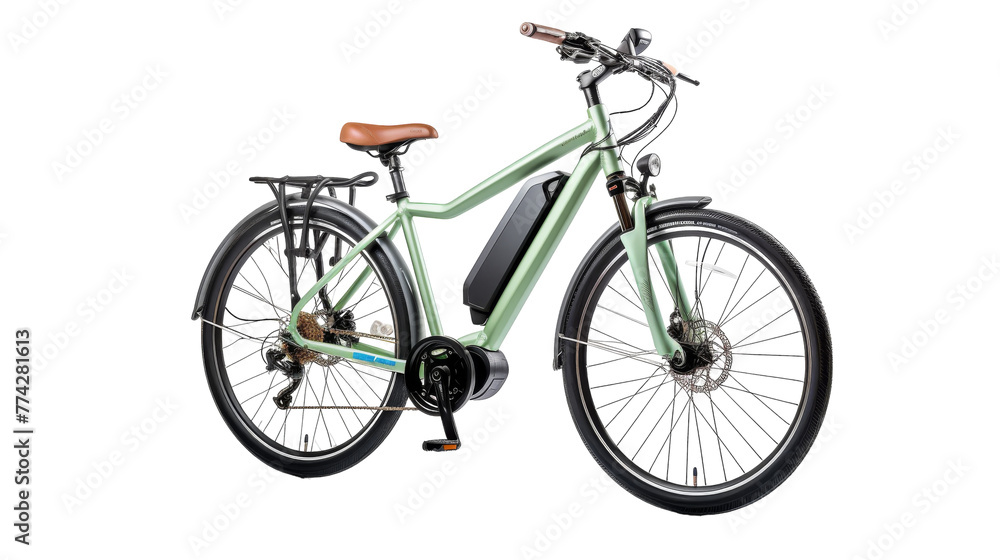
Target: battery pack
(503,252)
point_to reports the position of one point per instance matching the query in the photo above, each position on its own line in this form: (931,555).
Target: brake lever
(688,79)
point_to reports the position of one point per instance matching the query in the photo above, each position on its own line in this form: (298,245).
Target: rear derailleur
(292,370)
(290,358)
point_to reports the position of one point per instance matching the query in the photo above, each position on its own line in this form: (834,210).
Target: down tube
(542,247)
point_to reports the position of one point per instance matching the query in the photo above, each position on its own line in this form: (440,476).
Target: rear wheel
(726,429)
(250,297)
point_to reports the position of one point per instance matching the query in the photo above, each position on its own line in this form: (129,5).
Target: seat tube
(419,269)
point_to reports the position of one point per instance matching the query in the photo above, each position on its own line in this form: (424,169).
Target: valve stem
(305,446)
(695,474)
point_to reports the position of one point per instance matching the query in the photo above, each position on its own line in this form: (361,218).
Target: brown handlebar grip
(550,34)
(669,67)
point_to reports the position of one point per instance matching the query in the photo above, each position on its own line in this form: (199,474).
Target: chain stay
(388,408)
(342,332)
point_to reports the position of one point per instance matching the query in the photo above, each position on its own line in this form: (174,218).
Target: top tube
(511,175)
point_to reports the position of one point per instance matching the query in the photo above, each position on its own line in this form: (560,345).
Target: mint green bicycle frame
(540,250)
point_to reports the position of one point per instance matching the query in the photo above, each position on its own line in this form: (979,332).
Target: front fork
(634,240)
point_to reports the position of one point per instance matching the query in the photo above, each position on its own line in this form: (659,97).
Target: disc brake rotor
(713,357)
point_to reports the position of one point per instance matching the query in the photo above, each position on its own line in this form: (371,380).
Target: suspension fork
(634,240)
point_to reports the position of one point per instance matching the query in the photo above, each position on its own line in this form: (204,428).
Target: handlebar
(585,49)
(542,33)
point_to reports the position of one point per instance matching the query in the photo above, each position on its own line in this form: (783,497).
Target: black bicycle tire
(814,407)
(397,395)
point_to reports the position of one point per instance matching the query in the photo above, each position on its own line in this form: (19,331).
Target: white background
(896,73)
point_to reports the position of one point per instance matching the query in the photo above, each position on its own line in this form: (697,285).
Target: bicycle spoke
(730,318)
(628,397)
(350,365)
(758,395)
(274,257)
(372,313)
(268,390)
(629,381)
(320,416)
(712,270)
(602,333)
(636,305)
(733,377)
(608,309)
(263,277)
(351,387)
(768,434)
(725,319)
(243,358)
(669,435)
(752,448)
(719,438)
(733,291)
(771,355)
(624,357)
(671,407)
(333,375)
(333,400)
(765,375)
(653,396)
(767,339)
(261,298)
(767,324)
(254,377)
(715,430)
(629,284)
(687,440)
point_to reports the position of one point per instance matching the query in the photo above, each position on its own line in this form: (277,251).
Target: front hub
(708,357)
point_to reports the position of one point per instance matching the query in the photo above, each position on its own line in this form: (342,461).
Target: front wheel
(725,431)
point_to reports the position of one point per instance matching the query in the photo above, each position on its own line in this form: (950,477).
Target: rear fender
(269,212)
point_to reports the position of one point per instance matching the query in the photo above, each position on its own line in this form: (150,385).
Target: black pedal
(442,445)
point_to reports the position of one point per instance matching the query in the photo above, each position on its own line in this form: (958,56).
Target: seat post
(396,174)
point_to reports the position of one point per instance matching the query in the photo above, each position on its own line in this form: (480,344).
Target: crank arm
(451,441)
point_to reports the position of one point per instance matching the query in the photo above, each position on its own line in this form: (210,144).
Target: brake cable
(617,62)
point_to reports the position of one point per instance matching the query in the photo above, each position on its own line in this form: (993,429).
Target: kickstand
(451,443)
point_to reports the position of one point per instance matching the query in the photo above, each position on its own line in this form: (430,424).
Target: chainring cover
(444,358)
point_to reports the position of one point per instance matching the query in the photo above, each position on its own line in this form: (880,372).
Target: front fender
(679,203)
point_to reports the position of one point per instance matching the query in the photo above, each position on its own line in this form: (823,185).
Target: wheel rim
(255,294)
(656,424)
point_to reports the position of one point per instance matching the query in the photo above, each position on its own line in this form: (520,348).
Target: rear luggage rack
(311,186)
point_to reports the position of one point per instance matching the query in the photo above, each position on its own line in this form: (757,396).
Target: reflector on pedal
(442,445)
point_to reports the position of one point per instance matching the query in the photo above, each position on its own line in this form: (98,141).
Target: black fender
(392,253)
(679,203)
